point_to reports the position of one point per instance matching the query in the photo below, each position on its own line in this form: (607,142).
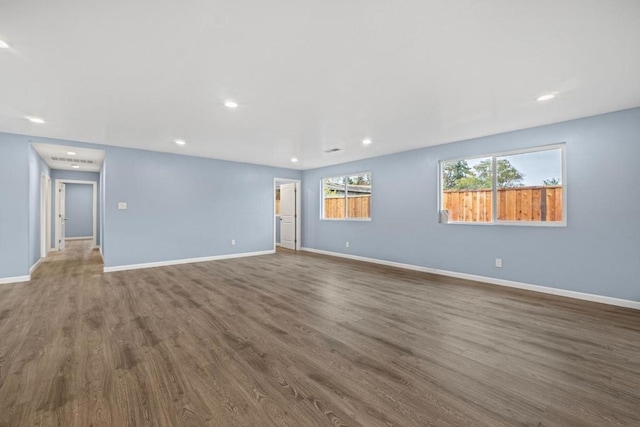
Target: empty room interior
(365,213)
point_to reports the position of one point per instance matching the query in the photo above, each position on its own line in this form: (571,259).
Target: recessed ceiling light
(294,159)
(37,120)
(3,45)
(546,97)
(366,141)
(230,104)
(180,141)
(75,166)
(71,153)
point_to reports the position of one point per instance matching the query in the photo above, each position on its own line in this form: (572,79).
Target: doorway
(287,216)
(62,218)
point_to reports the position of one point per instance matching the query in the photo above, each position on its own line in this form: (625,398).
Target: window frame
(562,146)
(346,196)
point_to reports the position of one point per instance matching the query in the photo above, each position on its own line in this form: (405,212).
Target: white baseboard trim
(34,266)
(491,280)
(79,238)
(16,279)
(184,261)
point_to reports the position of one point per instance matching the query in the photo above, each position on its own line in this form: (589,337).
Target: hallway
(79,258)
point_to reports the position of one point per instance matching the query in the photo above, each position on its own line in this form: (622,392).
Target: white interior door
(288,216)
(62,215)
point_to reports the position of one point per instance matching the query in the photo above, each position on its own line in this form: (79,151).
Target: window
(523,187)
(347,197)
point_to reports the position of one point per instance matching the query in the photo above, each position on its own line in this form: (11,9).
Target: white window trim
(495,221)
(346,204)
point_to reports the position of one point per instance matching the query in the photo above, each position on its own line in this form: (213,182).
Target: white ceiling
(58,157)
(310,75)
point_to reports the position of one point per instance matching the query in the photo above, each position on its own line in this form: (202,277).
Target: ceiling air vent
(333,150)
(62,159)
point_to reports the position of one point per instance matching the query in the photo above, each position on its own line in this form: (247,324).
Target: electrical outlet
(499,262)
(346,245)
(233,242)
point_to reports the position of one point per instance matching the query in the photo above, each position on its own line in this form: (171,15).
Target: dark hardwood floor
(296,339)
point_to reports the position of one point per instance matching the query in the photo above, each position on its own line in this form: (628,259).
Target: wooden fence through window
(514,204)
(359,207)
(540,203)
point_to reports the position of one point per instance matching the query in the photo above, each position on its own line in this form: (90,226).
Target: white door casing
(58,211)
(45,214)
(288,215)
(62,218)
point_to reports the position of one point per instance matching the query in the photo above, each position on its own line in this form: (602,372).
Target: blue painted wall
(14,207)
(179,206)
(76,176)
(185,207)
(79,210)
(598,252)
(37,167)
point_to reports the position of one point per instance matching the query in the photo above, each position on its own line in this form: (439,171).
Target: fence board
(551,205)
(558,197)
(502,206)
(468,210)
(455,202)
(536,205)
(525,208)
(510,204)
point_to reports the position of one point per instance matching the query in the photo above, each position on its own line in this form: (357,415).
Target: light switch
(122,205)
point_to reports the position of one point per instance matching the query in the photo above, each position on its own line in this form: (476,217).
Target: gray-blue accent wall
(185,207)
(597,253)
(37,167)
(79,210)
(179,206)
(14,207)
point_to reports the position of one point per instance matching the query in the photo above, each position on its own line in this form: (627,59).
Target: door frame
(298,209)
(45,214)
(95,207)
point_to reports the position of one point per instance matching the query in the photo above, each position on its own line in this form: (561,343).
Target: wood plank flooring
(296,339)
